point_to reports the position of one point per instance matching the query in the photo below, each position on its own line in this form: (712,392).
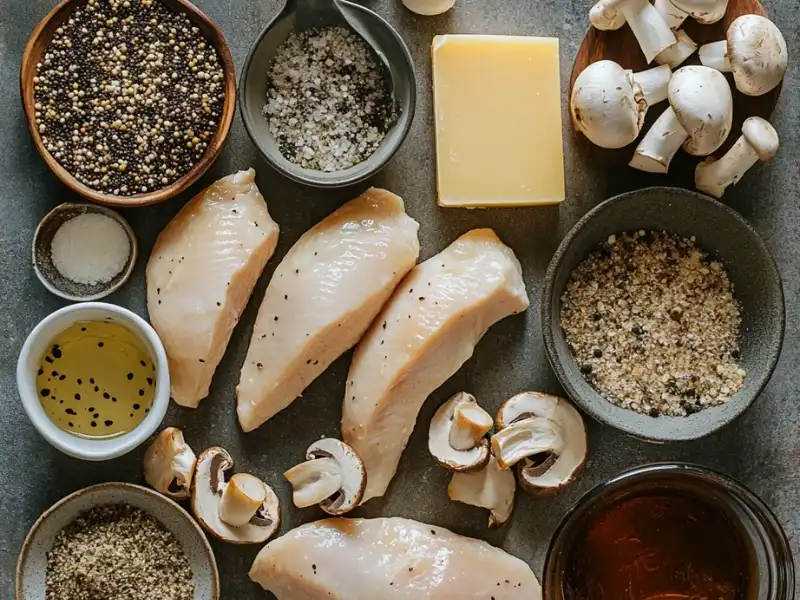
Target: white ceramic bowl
(32,562)
(39,340)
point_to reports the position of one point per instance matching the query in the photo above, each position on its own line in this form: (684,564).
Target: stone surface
(762,449)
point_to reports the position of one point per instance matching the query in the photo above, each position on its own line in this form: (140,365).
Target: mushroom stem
(470,424)
(654,153)
(758,142)
(648,26)
(678,53)
(715,55)
(653,83)
(672,15)
(241,498)
(314,481)
(651,31)
(529,436)
(491,488)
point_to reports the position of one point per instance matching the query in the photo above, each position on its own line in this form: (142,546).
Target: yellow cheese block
(497,105)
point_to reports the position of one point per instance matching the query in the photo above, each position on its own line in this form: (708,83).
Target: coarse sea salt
(90,249)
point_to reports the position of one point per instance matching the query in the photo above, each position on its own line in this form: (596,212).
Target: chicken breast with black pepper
(200,275)
(322,298)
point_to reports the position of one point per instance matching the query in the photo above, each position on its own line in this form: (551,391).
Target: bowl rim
(215,146)
(548,321)
(69,444)
(90,208)
(119,485)
(299,174)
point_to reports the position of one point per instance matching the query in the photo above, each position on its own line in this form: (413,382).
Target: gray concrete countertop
(762,449)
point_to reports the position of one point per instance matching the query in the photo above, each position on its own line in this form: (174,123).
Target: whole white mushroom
(648,25)
(699,118)
(429,7)
(758,142)
(754,50)
(608,103)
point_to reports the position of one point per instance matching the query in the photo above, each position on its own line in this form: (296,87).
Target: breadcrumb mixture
(654,325)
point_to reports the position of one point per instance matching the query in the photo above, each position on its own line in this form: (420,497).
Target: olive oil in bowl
(96,379)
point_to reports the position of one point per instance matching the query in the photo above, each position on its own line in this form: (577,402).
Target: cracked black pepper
(117,551)
(654,325)
(327,102)
(128,95)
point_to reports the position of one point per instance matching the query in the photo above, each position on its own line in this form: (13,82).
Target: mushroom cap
(551,472)
(605,15)
(703,104)
(703,11)
(209,482)
(351,469)
(605,105)
(169,464)
(761,136)
(491,488)
(439,446)
(758,54)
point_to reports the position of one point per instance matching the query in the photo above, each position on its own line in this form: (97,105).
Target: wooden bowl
(32,561)
(621,47)
(36,47)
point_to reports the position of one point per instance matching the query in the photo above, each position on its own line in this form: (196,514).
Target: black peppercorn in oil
(659,546)
(96,379)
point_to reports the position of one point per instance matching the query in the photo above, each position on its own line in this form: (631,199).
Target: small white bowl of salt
(83,251)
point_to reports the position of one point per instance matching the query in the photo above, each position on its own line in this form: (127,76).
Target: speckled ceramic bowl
(721,232)
(31,565)
(46,271)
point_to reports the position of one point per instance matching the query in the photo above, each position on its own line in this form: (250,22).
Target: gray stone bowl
(392,53)
(32,562)
(721,232)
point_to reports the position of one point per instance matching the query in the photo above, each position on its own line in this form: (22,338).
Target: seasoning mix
(327,101)
(654,325)
(128,95)
(121,552)
(96,379)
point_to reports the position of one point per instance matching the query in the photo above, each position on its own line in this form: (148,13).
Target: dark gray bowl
(392,53)
(722,233)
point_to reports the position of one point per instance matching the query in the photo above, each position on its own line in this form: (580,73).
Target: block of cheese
(497,108)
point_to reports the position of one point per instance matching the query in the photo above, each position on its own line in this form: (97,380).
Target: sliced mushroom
(527,437)
(608,103)
(758,142)
(244,510)
(456,435)
(754,50)
(648,25)
(699,118)
(548,471)
(169,464)
(333,476)
(491,488)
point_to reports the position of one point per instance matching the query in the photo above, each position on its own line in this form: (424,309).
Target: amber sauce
(96,379)
(658,547)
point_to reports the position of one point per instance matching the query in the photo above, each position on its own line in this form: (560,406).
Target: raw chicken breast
(201,272)
(322,297)
(370,559)
(424,334)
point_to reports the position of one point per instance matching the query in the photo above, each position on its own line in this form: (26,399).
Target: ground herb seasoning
(120,552)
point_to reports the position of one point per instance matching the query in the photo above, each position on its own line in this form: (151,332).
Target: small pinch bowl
(35,49)
(91,449)
(253,93)
(46,271)
(724,235)
(32,562)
